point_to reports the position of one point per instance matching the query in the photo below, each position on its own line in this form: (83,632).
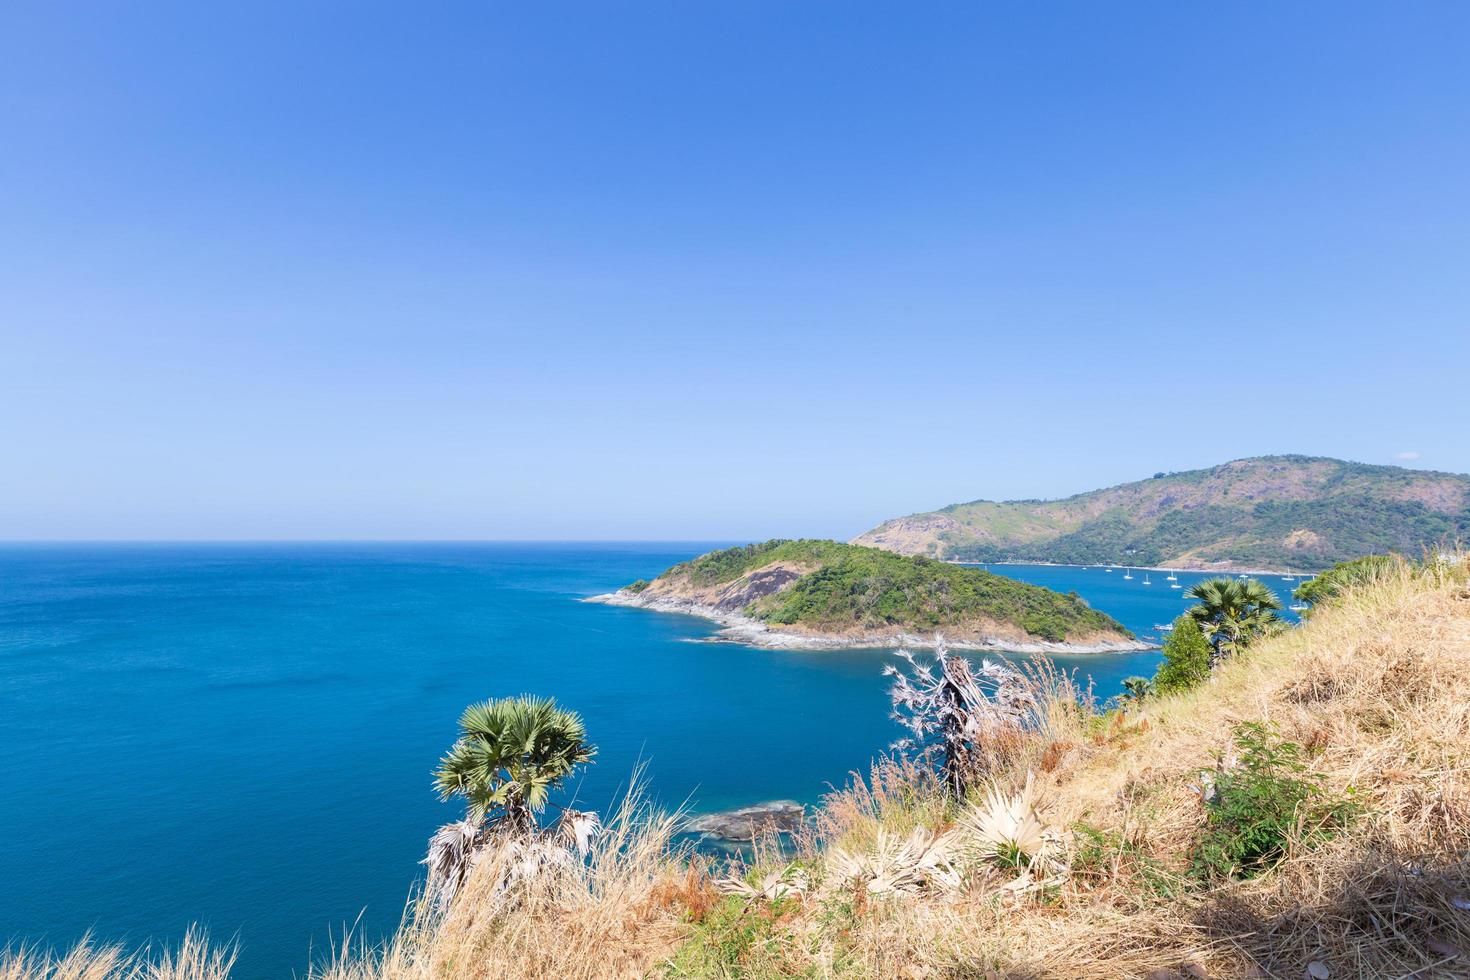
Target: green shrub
(1261,806)
(736,938)
(1100,857)
(636,587)
(1186,658)
(1345,575)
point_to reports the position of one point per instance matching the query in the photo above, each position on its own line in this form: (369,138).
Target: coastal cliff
(812,594)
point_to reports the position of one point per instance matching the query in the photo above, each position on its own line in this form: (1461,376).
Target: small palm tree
(511,754)
(1135,689)
(1232,612)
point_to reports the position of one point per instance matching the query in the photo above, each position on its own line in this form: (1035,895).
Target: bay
(241,735)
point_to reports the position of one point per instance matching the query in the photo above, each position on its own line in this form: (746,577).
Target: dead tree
(948,712)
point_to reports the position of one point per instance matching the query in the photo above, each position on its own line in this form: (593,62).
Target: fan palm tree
(1232,612)
(511,754)
(1135,689)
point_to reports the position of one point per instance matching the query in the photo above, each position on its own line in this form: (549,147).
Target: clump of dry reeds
(616,914)
(194,958)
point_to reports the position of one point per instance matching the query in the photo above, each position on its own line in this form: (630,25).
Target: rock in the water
(782,816)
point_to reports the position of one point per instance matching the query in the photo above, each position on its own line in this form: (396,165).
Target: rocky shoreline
(739,628)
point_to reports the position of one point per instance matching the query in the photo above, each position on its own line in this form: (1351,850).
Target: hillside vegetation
(1295,512)
(830,587)
(1303,812)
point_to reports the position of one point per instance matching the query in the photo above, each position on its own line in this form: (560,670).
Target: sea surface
(242,735)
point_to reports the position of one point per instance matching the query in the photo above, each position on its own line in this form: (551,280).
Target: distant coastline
(1256,515)
(744,630)
(1225,569)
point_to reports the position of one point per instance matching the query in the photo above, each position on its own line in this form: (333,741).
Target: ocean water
(241,735)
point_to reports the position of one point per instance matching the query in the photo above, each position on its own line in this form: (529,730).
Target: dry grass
(617,916)
(193,959)
(1377,688)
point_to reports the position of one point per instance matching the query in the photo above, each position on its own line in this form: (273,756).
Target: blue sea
(242,735)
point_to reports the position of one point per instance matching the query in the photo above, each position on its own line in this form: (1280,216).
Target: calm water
(242,735)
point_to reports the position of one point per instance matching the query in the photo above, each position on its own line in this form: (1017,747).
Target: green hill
(835,590)
(1297,512)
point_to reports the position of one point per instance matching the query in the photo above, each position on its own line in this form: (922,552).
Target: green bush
(1261,806)
(636,587)
(1344,575)
(1186,658)
(1100,857)
(736,938)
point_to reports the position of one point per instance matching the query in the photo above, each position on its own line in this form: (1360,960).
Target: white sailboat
(1127,573)
(1176,585)
(1171,577)
(1145,579)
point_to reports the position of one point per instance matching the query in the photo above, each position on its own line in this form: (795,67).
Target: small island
(817,594)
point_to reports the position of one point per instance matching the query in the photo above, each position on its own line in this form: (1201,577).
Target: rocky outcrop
(749,822)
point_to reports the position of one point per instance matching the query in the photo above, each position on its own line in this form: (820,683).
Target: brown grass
(617,917)
(1376,688)
(193,959)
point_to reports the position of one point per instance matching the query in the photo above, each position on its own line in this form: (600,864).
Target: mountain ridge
(1286,512)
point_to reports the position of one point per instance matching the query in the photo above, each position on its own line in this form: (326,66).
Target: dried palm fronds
(457,848)
(1009,830)
(451,855)
(1004,829)
(788,882)
(924,860)
(577,829)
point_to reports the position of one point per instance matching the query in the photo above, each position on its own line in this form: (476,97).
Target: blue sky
(704,270)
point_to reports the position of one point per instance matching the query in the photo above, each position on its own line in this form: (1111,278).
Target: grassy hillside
(835,587)
(1273,511)
(1363,722)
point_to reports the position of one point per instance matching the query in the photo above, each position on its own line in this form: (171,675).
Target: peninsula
(1300,513)
(815,594)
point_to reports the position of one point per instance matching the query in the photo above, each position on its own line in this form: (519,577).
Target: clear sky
(711,270)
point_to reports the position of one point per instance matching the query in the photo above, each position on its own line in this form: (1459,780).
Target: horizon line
(680,540)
